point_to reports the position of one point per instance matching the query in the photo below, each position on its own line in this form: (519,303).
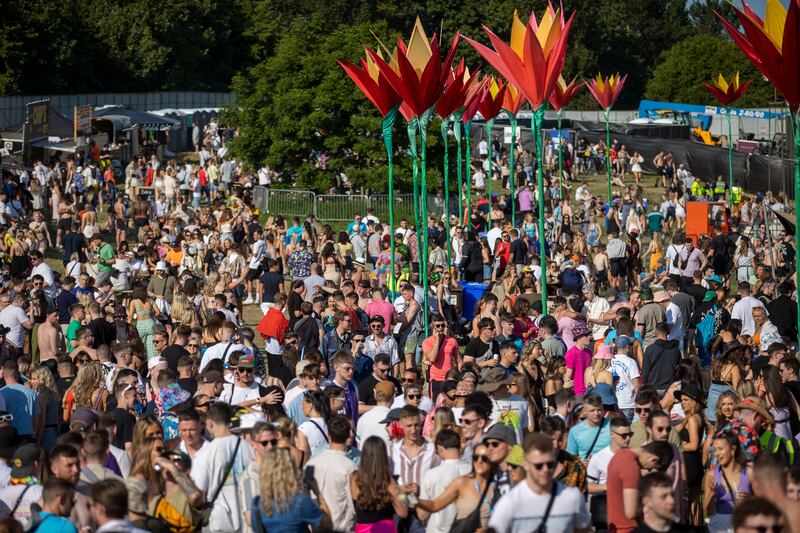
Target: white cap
(249,419)
(161,265)
(154,362)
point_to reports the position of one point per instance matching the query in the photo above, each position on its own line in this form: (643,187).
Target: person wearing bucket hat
(23,488)
(579,357)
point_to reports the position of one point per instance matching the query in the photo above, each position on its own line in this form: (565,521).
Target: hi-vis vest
(736,195)
(697,188)
(719,187)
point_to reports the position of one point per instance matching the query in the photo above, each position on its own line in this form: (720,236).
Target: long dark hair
(319,402)
(373,476)
(773,384)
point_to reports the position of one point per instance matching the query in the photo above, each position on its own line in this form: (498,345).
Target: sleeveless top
(364,516)
(723,496)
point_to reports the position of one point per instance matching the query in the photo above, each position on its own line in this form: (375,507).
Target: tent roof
(131,118)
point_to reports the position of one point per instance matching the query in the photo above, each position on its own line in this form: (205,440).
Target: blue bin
(471,295)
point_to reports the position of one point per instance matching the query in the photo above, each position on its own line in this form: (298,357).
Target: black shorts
(64,224)
(619,266)
(252,273)
(141,222)
(121,224)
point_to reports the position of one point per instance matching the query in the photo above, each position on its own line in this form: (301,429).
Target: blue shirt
(55,524)
(294,230)
(300,514)
(23,403)
(581,437)
(613,335)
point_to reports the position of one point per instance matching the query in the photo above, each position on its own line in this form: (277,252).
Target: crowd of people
(193,364)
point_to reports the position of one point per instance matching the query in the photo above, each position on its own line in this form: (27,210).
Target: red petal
(791,54)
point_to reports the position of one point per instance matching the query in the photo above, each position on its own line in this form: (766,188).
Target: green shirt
(654,219)
(106,253)
(73,328)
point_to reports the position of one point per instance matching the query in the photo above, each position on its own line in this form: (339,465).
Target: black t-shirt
(271,282)
(758,365)
(104,332)
(188,384)
(62,384)
(295,301)
(480,350)
(172,353)
(124,422)
(783,313)
(518,252)
(696,291)
(307,329)
(366,389)
(63,301)
(74,242)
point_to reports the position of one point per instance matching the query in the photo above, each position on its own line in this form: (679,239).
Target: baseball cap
(161,265)
(247,361)
(386,388)
(212,376)
(154,362)
(82,419)
(622,341)
(501,432)
(394,414)
(23,462)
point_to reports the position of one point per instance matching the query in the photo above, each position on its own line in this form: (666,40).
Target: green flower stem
(488,128)
(606,113)
(457,130)
(386,128)
(423,253)
(468,168)
(536,126)
(446,186)
(413,126)
(730,156)
(560,157)
(512,177)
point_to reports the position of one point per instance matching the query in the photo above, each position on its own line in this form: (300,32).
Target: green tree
(298,105)
(701,58)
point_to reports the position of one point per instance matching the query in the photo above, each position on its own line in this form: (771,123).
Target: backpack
(787,450)
(572,278)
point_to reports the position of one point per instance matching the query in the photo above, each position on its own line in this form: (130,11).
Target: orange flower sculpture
(417,72)
(512,100)
(772,44)
(534,60)
(606,90)
(727,93)
(563,93)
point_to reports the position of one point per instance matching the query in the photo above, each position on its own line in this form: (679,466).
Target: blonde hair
(90,378)
(45,380)
(280,481)
(443,418)
(182,310)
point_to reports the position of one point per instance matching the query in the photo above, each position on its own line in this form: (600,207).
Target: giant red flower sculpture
(606,90)
(455,92)
(535,58)
(563,92)
(473,100)
(772,44)
(513,99)
(491,101)
(417,72)
(727,93)
(372,83)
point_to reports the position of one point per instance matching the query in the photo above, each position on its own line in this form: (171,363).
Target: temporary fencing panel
(290,203)
(339,207)
(403,206)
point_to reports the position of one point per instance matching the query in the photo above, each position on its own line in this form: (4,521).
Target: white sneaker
(249,300)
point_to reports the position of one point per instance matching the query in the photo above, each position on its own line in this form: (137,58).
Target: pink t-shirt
(448,354)
(578,360)
(565,325)
(384,309)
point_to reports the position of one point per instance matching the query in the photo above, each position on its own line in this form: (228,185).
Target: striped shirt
(410,470)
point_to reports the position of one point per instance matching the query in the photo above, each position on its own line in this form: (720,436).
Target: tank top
(364,516)
(724,498)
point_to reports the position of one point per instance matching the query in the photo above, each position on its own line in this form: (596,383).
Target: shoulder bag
(543,524)
(205,510)
(471,522)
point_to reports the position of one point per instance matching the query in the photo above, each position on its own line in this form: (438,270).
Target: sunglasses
(481,459)
(494,443)
(643,410)
(414,396)
(243,370)
(551,465)
(7,417)
(624,435)
(358,340)
(376,326)
(407,380)
(268,442)
(467,421)
(192,345)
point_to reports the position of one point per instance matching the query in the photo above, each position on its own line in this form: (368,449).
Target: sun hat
(754,404)
(604,352)
(580,330)
(661,296)
(714,279)
(493,379)
(154,362)
(161,265)
(516,456)
(173,395)
(691,391)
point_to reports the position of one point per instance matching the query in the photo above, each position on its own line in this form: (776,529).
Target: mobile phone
(308,474)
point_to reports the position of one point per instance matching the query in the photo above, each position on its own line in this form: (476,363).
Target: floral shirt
(299,264)
(573,472)
(748,439)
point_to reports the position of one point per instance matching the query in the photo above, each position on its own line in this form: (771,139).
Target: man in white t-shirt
(15,319)
(626,371)
(25,490)
(223,348)
(479,179)
(743,309)
(436,480)
(244,391)
(524,507)
(332,469)
(43,269)
(371,423)
(597,471)
(212,462)
(674,271)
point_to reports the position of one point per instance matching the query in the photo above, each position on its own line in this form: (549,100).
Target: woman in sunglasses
(467,492)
